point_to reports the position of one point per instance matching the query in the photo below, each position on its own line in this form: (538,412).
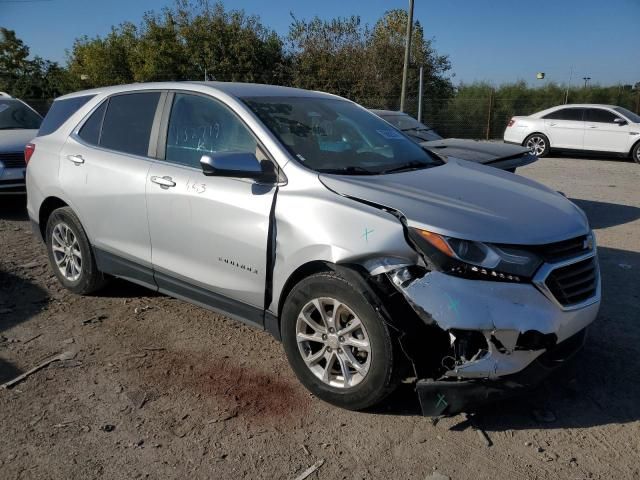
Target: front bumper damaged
(501,337)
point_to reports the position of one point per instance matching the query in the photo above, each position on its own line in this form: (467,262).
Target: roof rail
(5,95)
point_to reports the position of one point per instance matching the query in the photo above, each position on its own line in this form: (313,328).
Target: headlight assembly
(472,259)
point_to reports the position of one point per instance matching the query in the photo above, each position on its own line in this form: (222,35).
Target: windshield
(629,114)
(16,115)
(412,127)
(337,136)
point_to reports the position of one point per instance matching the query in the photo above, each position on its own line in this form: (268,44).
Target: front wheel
(338,345)
(538,144)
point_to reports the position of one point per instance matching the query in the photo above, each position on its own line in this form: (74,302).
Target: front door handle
(164,182)
(77,159)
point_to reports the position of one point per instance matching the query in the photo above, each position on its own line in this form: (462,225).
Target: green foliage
(344,57)
(22,77)
(189,41)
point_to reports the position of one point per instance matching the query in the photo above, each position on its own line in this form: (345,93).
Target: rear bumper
(444,397)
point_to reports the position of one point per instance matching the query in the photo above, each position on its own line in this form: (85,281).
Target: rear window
(60,112)
(574,114)
(127,122)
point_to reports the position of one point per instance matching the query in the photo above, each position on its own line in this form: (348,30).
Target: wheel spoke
(357,343)
(331,358)
(315,357)
(353,325)
(305,337)
(312,323)
(57,248)
(344,368)
(57,237)
(353,361)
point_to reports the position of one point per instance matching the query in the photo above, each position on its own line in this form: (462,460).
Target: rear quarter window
(60,112)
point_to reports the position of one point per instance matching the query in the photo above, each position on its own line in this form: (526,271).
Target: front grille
(574,283)
(12,159)
(555,252)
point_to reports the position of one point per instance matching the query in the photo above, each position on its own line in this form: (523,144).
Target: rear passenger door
(209,234)
(603,134)
(565,128)
(103,169)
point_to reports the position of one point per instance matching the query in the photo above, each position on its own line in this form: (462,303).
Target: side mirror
(238,165)
(619,121)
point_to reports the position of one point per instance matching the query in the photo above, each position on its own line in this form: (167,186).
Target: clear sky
(493,40)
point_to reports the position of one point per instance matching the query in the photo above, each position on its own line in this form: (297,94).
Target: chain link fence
(474,117)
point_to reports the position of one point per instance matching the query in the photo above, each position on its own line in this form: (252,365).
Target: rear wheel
(538,144)
(337,343)
(70,253)
(635,153)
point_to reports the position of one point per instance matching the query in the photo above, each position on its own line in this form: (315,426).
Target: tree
(343,56)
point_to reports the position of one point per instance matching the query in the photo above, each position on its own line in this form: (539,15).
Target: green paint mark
(442,403)
(366,234)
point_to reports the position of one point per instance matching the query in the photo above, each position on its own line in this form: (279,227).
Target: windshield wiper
(351,170)
(407,166)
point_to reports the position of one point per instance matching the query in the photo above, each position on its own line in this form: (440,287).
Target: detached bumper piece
(451,396)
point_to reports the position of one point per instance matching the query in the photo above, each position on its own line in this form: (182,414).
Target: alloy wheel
(333,342)
(66,252)
(536,145)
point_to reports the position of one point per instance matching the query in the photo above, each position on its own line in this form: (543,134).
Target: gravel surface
(162,389)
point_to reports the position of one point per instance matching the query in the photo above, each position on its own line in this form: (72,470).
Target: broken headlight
(470,259)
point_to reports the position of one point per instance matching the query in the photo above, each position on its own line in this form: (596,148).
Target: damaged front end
(489,337)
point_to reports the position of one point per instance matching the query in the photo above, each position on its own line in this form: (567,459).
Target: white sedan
(596,128)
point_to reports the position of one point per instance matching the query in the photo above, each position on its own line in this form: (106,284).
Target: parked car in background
(304,214)
(493,154)
(19,123)
(584,127)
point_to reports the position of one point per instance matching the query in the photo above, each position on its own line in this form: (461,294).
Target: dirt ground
(162,389)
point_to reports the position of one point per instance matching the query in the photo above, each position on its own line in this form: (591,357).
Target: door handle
(164,182)
(593,126)
(77,159)
(552,124)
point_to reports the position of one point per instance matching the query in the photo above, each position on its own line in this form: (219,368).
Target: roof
(235,89)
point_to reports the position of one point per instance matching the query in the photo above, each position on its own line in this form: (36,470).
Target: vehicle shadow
(597,387)
(605,214)
(20,300)
(13,207)
(561,155)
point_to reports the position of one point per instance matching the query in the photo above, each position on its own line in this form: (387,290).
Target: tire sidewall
(88,270)
(378,381)
(635,153)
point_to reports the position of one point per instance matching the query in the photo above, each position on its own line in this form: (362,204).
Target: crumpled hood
(15,140)
(475,150)
(469,201)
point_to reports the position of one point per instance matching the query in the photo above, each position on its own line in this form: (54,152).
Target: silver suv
(303,214)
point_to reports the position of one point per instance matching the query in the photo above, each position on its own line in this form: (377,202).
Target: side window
(60,112)
(127,122)
(199,126)
(90,131)
(574,114)
(600,116)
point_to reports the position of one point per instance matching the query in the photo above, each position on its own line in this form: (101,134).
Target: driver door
(208,233)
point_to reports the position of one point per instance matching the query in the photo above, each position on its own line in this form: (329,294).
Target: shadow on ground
(605,214)
(13,207)
(19,301)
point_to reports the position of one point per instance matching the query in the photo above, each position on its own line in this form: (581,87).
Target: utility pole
(489,114)
(566,95)
(407,50)
(586,80)
(420,88)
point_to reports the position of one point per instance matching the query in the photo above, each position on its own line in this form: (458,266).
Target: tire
(635,152)
(538,144)
(378,372)
(66,239)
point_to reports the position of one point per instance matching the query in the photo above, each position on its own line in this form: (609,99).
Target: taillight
(29,148)
(511,122)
